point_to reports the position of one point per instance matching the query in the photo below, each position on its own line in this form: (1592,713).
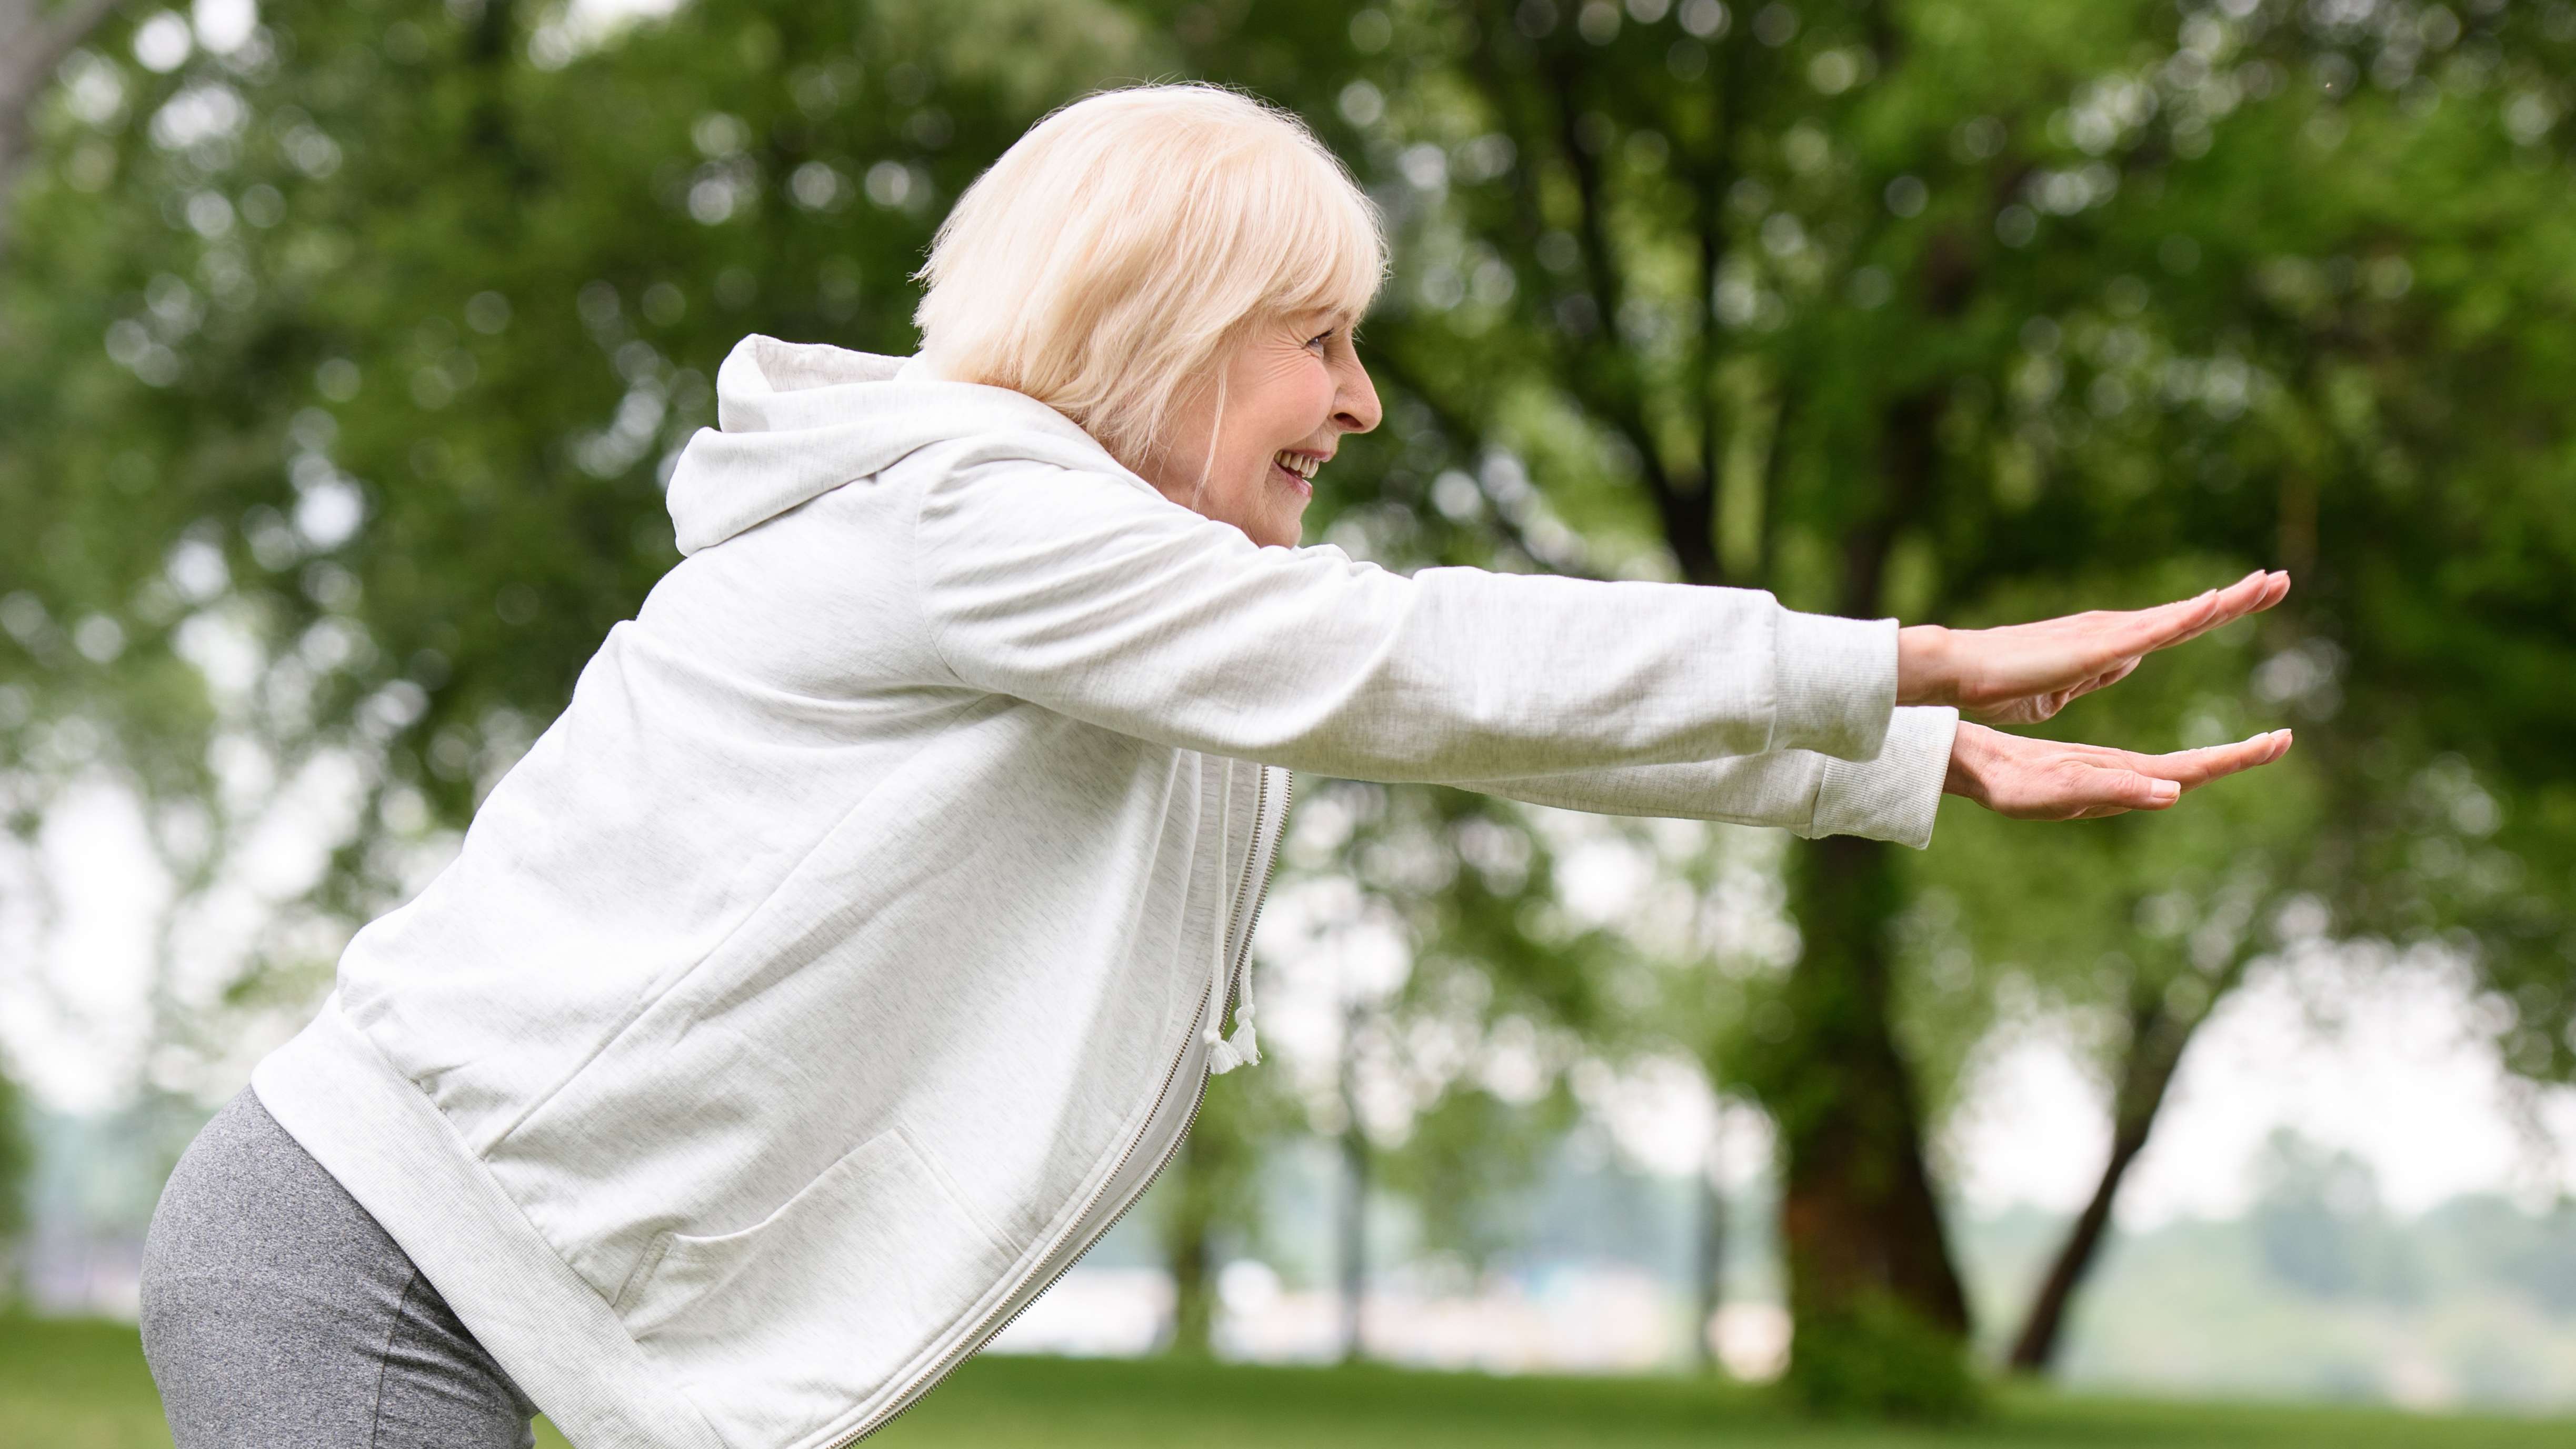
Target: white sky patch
(85,914)
(73,1009)
(612,10)
(2386,1064)
(224,26)
(585,25)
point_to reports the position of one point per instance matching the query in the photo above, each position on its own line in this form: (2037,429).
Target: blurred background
(344,350)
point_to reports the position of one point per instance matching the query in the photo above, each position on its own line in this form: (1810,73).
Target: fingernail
(2166,790)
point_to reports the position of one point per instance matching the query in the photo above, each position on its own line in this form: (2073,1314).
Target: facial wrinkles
(1290,392)
(1281,394)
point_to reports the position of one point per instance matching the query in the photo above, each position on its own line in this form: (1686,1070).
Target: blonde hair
(1103,264)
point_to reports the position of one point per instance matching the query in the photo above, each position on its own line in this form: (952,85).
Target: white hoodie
(850,952)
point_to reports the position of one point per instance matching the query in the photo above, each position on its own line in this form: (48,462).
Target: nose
(1355,404)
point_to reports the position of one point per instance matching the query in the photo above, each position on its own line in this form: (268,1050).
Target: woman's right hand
(2024,673)
(2029,779)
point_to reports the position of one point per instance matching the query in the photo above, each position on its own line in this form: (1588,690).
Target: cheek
(1288,405)
(1316,402)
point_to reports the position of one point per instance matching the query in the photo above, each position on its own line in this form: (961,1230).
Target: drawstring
(1244,1049)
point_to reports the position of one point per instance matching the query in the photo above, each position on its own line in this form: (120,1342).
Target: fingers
(2103,680)
(2028,672)
(2192,769)
(2251,594)
(2171,624)
(2134,790)
(2037,780)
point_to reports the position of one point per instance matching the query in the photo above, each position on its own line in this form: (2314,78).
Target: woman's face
(1293,387)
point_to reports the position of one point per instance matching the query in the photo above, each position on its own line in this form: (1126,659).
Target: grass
(70,1384)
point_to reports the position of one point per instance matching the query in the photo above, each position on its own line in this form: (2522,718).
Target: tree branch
(1611,386)
(1469,437)
(1597,373)
(31,45)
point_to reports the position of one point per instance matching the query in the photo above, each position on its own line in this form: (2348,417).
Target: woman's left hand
(2029,779)
(2024,673)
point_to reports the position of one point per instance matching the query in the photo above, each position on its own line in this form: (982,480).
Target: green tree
(2392,448)
(1924,310)
(404,305)
(1464,886)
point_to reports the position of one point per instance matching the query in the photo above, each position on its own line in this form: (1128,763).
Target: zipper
(974,1342)
(1287,795)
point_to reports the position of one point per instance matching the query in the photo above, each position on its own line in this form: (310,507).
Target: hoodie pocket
(789,1323)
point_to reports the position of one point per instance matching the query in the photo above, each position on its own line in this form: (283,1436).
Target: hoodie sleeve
(1093,595)
(1891,796)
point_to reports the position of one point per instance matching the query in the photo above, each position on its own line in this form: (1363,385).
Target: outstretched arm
(1094,596)
(2023,672)
(1893,795)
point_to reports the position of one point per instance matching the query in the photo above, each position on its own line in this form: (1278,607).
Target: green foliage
(405,306)
(1469,885)
(1468,1164)
(1976,311)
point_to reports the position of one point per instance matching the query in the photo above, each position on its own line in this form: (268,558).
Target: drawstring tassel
(1242,1050)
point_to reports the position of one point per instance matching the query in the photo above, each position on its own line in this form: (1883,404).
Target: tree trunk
(2156,1043)
(1859,1223)
(1710,1269)
(1188,1253)
(1354,1206)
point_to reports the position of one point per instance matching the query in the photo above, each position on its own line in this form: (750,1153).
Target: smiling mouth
(1302,465)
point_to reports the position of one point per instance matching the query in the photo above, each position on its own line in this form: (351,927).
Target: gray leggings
(278,1315)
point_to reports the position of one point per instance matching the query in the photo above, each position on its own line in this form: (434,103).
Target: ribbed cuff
(1895,795)
(1836,684)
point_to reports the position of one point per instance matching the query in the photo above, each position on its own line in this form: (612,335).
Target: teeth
(1298,463)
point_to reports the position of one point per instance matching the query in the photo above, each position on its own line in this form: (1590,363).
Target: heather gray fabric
(278,1315)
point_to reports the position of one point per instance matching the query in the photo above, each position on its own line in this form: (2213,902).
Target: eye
(1320,339)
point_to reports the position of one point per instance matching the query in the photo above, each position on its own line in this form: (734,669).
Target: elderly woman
(855,948)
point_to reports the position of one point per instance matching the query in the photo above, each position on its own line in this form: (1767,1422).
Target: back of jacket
(803,991)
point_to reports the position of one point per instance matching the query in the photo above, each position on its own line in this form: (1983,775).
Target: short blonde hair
(1104,263)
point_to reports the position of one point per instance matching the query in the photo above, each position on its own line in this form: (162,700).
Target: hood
(795,420)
